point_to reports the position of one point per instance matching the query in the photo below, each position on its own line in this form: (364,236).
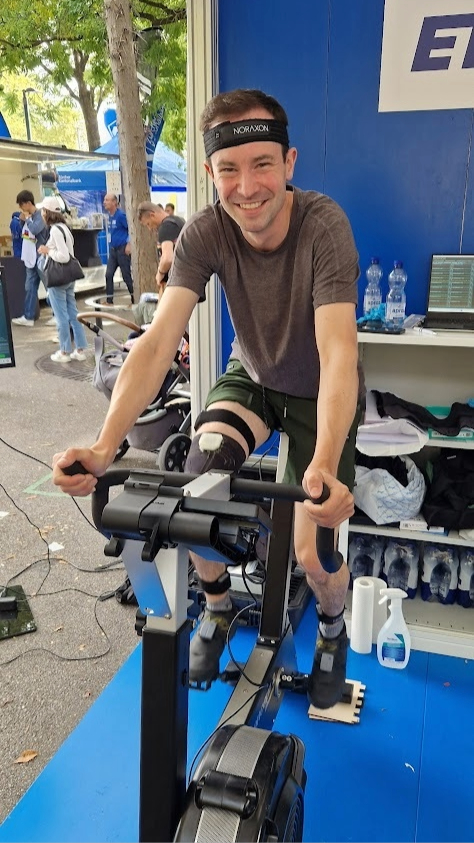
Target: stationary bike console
(249,781)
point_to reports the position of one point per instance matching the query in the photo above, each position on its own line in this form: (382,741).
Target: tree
(68,42)
(131,138)
(122,51)
(53,120)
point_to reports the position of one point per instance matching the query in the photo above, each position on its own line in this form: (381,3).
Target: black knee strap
(230,418)
(219,586)
(328,619)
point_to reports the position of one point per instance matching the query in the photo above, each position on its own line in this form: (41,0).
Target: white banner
(113,182)
(427,55)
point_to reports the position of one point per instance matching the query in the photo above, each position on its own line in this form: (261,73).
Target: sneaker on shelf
(78,355)
(22,320)
(207,646)
(327,679)
(60,357)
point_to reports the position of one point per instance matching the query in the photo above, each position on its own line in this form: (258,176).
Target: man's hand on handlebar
(337,508)
(79,484)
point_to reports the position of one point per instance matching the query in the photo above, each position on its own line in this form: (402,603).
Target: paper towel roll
(380,613)
(362,615)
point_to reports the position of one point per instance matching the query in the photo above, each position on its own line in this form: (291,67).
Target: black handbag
(59,274)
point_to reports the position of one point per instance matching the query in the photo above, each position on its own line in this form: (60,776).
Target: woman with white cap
(60,247)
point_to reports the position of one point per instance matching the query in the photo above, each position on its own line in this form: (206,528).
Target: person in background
(16,227)
(169,208)
(60,247)
(288,264)
(168,228)
(119,250)
(37,230)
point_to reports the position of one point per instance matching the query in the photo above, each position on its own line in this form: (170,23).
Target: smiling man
(287,262)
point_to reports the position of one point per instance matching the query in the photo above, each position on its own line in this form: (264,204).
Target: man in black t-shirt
(168,227)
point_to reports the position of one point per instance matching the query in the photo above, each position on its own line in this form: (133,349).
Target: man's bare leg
(209,641)
(327,677)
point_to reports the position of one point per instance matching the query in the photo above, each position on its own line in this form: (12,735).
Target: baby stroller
(165,424)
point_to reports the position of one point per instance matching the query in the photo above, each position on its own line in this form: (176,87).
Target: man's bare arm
(336,334)
(166,259)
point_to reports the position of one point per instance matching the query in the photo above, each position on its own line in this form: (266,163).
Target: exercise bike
(249,781)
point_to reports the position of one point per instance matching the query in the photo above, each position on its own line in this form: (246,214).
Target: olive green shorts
(295,416)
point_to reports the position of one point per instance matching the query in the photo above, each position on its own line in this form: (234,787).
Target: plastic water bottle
(373,293)
(396,298)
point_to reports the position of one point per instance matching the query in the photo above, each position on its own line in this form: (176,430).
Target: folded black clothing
(460,415)
(449,500)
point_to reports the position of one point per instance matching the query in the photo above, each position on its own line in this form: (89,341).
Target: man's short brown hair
(146,208)
(230,103)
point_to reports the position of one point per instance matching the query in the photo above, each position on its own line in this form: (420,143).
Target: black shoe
(207,645)
(125,593)
(328,676)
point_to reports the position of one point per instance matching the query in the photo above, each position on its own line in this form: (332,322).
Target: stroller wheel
(122,450)
(173,452)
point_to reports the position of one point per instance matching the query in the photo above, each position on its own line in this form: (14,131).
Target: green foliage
(53,120)
(66,41)
(168,55)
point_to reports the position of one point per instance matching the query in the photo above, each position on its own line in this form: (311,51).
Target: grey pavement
(49,678)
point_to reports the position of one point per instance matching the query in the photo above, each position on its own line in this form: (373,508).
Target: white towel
(383,436)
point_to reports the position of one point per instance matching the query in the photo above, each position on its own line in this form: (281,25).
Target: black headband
(244,131)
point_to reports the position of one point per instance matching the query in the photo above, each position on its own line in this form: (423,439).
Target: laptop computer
(451,293)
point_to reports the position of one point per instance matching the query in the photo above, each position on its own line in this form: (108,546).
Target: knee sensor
(211,451)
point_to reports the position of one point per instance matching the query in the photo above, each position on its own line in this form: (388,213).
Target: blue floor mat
(401,774)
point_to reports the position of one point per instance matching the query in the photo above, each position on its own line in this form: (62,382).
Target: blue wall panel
(468,222)
(282,50)
(399,176)
(403,178)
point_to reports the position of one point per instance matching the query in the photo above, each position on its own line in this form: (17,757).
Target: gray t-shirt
(272,296)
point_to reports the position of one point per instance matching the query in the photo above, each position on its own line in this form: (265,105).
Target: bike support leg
(161,588)
(164,732)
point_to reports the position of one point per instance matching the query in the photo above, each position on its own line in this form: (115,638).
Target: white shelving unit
(431,370)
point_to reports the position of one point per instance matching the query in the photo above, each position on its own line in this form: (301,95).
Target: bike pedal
(232,673)
(347,693)
(200,685)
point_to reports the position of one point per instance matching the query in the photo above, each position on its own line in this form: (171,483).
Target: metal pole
(27,115)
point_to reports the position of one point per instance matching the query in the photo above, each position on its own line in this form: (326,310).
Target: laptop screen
(451,288)
(7,355)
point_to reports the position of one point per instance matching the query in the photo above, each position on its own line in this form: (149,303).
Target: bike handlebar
(330,558)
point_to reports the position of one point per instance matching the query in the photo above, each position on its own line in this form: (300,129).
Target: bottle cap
(398,264)
(375,260)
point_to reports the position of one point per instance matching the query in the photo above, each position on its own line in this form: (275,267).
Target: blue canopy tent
(168,171)
(83,184)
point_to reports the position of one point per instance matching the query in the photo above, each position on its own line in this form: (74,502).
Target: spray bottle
(393,641)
